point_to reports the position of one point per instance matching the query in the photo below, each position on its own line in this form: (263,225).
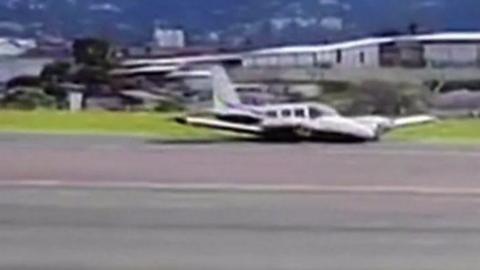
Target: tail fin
(224,94)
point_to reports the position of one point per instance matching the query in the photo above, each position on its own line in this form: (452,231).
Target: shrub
(376,97)
(55,72)
(28,99)
(168,106)
(23,81)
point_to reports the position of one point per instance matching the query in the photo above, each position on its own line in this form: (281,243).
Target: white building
(432,50)
(169,38)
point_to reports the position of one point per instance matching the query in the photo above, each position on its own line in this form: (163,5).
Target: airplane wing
(413,120)
(221,125)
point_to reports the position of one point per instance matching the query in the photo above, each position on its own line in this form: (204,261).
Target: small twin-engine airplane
(293,121)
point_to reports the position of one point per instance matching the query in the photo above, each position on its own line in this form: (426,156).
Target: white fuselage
(316,120)
(312,120)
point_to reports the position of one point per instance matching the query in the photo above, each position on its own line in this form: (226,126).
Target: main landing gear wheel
(304,132)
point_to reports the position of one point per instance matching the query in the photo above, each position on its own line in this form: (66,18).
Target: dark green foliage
(91,69)
(56,72)
(91,51)
(49,90)
(54,90)
(28,81)
(28,99)
(91,75)
(334,86)
(169,106)
(376,97)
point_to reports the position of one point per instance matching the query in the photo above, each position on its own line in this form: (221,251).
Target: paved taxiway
(376,206)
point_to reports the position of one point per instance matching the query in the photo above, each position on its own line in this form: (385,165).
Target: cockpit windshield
(314,113)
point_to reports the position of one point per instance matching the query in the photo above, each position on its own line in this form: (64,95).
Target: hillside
(241,21)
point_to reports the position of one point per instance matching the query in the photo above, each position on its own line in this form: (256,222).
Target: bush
(28,99)
(376,97)
(168,106)
(24,81)
(56,72)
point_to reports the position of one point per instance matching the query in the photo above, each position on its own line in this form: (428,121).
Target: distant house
(10,47)
(169,38)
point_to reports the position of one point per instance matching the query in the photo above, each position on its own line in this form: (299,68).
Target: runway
(79,229)
(97,161)
(127,203)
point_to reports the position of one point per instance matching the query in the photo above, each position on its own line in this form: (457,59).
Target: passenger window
(314,113)
(286,113)
(272,114)
(300,113)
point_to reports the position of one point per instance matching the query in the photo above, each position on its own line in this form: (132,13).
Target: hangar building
(439,50)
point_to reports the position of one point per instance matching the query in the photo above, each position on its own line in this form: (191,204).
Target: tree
(52,75)
(91,75)
(56,72)
(92,52)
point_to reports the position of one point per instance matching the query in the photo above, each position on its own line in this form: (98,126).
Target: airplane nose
(365,132)
(360,131)
(370,133)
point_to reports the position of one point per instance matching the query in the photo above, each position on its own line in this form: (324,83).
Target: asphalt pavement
(97,160)
(80,202)
(74,229)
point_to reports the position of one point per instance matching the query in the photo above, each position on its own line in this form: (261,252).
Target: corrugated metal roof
(448,36)
(325,47)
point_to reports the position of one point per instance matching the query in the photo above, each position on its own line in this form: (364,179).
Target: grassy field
(162,126)
(100,123)
(449,131)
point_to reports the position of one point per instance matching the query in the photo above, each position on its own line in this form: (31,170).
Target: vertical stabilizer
(224,94)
